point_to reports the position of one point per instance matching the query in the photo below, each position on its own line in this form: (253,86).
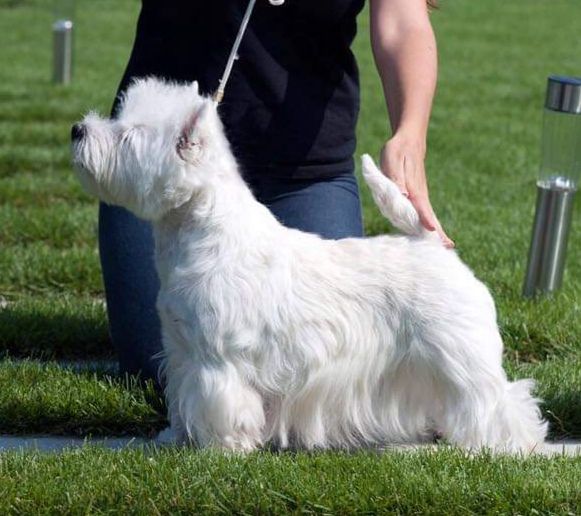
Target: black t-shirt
(292,101)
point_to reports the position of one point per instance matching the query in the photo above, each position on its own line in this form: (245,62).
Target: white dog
(275,335)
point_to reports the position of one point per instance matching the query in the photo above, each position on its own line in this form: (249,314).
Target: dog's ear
(197,120)
(191,141)
(196,87)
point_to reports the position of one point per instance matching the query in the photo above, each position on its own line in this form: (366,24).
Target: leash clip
(219,94)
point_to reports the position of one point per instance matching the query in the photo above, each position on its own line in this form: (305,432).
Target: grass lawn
(482,163)
(179,481)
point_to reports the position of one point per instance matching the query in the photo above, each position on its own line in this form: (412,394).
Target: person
(290,112)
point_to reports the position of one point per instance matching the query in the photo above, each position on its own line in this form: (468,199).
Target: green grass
(46,398)
(482,162)
(42,323)
(559,386)
(33,326)
(180,482)
(48,254)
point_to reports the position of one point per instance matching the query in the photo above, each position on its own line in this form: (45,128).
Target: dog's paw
(241,444)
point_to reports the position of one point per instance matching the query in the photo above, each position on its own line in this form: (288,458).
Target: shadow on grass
(54,333)
(563,411)
(558,385)
(59,375)
(48,398)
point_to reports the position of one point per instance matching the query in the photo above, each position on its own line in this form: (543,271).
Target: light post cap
(62,25)
(564,94)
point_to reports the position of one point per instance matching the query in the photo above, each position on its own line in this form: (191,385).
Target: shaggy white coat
(275,335)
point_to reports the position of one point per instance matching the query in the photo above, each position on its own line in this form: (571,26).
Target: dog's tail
(395,206)
(519,424)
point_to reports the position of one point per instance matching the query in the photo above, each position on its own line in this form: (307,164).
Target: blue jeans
(329,207)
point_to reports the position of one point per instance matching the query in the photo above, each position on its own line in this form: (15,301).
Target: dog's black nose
(77,132)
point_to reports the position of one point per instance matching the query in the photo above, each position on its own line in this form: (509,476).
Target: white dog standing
(272,334)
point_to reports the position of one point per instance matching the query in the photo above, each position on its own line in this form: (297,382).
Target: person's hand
(402,160)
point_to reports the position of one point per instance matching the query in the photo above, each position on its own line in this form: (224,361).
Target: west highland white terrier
(273,335)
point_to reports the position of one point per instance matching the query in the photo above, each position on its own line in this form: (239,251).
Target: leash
(219,95)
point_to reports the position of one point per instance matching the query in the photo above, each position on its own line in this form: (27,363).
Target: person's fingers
(427,216)
(392,165)
(429,220)
(415,178)
(417,185)
(410,176)
(447,241)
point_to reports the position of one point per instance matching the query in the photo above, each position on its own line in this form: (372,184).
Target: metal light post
(556,185)
(62,30)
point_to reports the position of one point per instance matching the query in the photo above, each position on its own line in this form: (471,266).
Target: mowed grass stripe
(61,225)
(45,397)
(61,326)
(39,267)
(42,190)
(56,105)
(177,481)
(18,159)
(36,134)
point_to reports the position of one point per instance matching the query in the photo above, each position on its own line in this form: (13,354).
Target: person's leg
(329,207)
(131,285)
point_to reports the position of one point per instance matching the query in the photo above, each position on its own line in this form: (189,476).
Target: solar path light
(556,186)
(62,30)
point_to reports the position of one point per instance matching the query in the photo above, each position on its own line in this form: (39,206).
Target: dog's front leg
(223,411)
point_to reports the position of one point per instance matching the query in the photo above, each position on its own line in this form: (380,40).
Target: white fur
(272,334)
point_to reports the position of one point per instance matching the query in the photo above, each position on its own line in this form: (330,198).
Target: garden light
(556,186)
(62,30)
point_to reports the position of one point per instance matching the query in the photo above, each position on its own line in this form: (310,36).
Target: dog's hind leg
(479,407)
(220,410)
(494,414)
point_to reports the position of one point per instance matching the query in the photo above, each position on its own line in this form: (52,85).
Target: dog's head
(156,154)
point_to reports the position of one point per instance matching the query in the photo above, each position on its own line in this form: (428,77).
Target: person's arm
(404,47)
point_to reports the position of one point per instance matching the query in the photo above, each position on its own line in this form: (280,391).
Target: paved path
(568,448)
(57,443)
